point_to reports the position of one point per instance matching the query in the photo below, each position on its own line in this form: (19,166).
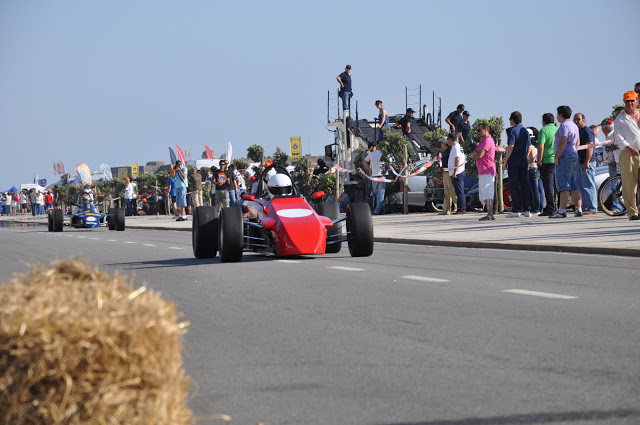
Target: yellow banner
(122,172)
(134,170)
(296,148)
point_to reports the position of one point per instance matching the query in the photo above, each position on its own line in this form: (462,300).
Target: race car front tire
(50,220)
(58,220)
(204,232)
(359,229)
(119,217)
(331,210)
(231,233)
(111,219)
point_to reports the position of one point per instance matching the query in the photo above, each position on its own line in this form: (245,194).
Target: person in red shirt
(48,200)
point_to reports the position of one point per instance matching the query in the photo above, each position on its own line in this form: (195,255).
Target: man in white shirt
(456,171)
(130,197)
(40,203)
(372,166)
(627,135)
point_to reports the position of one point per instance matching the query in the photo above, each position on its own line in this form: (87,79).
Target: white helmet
(279,185)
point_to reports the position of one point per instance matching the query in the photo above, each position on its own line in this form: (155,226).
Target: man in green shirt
(546,162)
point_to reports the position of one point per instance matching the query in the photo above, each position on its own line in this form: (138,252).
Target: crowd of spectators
(34,202)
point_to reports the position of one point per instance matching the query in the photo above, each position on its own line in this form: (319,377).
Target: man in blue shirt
(180,173)
(405,124)
(587,161)
(517,166)
(455,118)
(345,89)
(464,128)
(170,189)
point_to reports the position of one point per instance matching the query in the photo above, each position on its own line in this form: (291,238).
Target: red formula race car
(279,221)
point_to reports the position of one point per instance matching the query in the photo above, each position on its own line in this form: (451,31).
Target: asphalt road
(413,335)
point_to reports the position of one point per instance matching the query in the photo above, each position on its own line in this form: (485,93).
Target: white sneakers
(525,214)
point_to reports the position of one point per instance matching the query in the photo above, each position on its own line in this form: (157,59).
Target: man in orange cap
(48,200)
(628,140)
(130,198)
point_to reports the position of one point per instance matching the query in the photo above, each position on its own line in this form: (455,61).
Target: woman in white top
(535,182)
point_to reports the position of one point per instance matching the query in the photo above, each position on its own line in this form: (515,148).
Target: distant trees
(255,153)
(280,157)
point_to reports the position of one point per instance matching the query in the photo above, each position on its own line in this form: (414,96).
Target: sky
(120,81)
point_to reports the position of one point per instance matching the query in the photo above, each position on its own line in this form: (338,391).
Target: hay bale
(80,346)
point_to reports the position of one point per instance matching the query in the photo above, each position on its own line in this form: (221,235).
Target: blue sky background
(120,81)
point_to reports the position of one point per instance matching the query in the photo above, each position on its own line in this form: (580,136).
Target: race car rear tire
(231,234)
(359,229)
(204,232)
(119,217)
(111,219)
(331,210)
(58,220)
(50,220)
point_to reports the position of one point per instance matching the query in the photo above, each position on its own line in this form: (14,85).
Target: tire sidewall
(231,234)
(359,230)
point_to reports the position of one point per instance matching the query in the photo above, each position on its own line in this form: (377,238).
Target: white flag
(229,151)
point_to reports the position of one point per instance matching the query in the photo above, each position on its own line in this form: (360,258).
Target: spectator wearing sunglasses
(628,140)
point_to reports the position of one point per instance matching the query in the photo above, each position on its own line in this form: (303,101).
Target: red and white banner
(181,156)
(208,151)
(593,145)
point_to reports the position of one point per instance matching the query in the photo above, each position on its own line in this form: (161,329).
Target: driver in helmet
(279,185)
(85,198)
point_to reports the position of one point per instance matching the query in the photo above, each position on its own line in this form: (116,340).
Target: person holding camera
(180,174)
(223,181)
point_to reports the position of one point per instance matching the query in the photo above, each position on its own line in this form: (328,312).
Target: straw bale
(80,346)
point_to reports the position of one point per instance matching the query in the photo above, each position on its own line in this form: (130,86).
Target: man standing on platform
(345,89)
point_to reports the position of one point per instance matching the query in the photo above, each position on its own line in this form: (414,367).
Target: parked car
(434,189)
(415,188)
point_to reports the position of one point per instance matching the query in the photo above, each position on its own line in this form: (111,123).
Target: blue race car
(86,215)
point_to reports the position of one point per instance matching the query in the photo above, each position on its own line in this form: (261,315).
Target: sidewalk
(599,234)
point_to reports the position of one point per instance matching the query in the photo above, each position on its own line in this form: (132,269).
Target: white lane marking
(540,294)
(288,261)
(149,244)
(175,247)
(95,239)
(346,269)
(82,237)
(425,279)
(68,235)
(111,240)
(128,242)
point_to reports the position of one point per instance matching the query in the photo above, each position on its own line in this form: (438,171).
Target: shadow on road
(534,418)
(185,262)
